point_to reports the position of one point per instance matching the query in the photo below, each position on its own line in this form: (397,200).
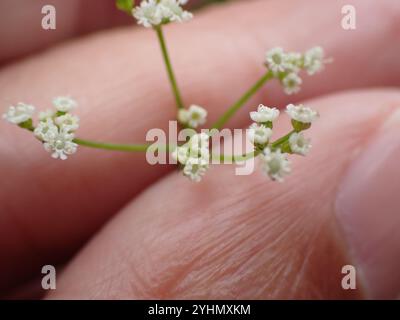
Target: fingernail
(368,209)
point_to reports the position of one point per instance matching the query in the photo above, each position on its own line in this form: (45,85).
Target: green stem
(167,61)
(281,140)
(238,104)
(236,158)
(112,146)
(145,147)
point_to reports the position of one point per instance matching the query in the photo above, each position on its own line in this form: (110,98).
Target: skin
(229,236)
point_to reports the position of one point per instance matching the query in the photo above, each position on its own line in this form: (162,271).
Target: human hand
(156,235)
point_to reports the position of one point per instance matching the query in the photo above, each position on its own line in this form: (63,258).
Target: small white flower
(68,121)
(301,113)
(61,145)
(314,60)
(44,115)
(299,144)
(46,130)
(291,83)
(195,169)
(20,113)
(277,60)
(181,154)
(275,164)
(264,114)
(56,140)
(173,11)
(153,13)
(148,13)
(259,134)
(64,104)
(193,117)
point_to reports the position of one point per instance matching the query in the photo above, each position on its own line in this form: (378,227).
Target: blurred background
(86,16)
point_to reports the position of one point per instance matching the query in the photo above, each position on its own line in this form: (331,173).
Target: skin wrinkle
(290,252)
(191,265)
(220,249)
(104,285)
(111,289)
(301,274)
(233,281)
(252,259)
(275,287)
(171,286)
(224,247)
(275,270)
(216,253)
(154,285)
(168,283)
(136,285)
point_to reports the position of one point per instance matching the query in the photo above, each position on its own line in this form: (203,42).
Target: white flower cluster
(275,164)
(301,113)
(193,117)
(286,66)
(261,130)
(151,13)
(55,129)
(19,114)
(274,155)
(194,156)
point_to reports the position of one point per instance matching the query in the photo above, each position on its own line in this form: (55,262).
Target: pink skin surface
(229,236)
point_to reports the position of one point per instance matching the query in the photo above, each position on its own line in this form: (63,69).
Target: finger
(248,238)
(124,92)
(21,30)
